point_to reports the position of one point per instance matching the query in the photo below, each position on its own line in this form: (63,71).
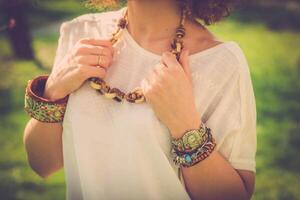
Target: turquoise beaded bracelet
(188,158)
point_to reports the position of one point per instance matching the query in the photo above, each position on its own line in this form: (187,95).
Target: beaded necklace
(136,96)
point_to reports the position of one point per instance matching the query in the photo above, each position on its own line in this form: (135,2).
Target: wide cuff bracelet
(188,159)
(40,108)
(191,139)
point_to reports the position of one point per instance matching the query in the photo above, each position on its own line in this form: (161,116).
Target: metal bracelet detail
(191,139)
(190,158)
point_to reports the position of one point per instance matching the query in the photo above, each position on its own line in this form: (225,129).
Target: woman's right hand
(77,66)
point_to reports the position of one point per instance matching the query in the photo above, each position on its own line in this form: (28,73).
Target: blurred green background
(268,32)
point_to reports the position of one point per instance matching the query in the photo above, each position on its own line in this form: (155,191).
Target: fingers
(160,70)
(184,60)
(170,60)
(145,86)
(96,50)
(87,52)
(94,60)
(88,71)
(97,42)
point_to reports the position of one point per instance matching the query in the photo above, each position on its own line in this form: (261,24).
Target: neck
(153,19)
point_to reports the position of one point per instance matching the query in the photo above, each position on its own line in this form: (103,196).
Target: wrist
(194,146)
(177,131)
(41,108)
(51,93)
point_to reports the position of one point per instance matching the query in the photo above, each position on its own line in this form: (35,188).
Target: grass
(17,180)
(274,60)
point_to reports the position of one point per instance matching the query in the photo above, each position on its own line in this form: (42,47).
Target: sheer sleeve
(233,120)
(63,44)
(244,146)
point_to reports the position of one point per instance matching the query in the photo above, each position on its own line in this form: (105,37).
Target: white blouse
(121,150)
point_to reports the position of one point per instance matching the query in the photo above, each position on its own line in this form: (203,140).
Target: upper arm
(233,120)
(44,153)
(244,145)
(248,178)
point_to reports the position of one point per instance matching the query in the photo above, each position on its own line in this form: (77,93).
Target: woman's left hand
(169,91)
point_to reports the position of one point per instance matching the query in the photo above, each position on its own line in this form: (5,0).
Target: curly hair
(208,11)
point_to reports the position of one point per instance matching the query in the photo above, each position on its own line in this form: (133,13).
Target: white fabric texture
(121,150)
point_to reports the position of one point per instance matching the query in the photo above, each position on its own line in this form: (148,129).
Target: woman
(112,150)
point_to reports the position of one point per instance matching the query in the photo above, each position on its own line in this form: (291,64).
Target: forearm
(214,178)
(43,143)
